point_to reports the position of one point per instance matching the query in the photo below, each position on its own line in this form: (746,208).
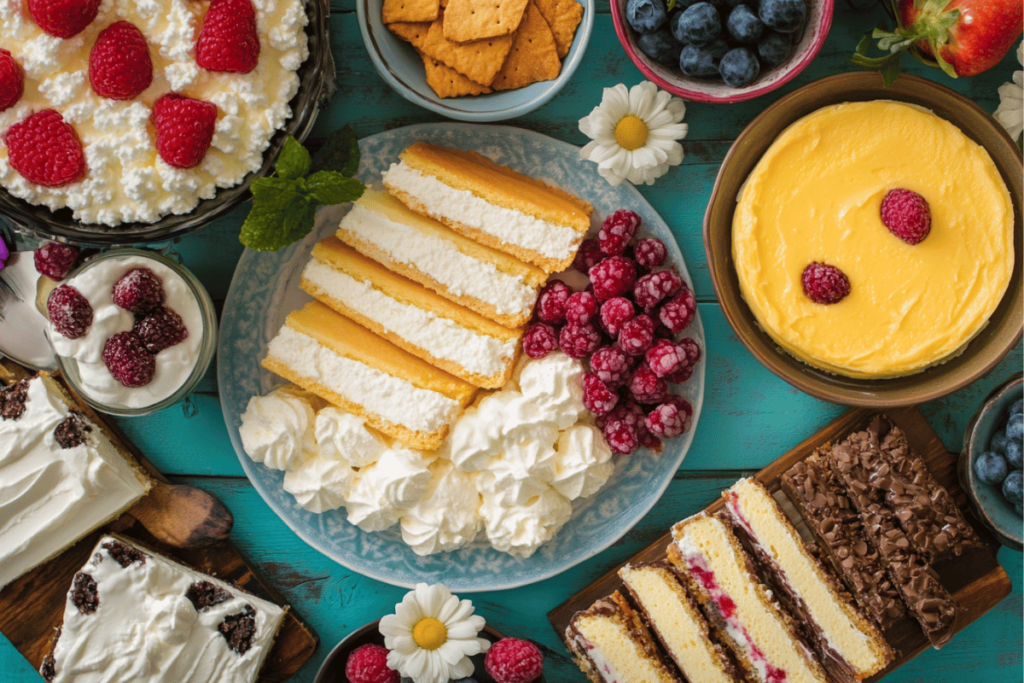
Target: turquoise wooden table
(750,417)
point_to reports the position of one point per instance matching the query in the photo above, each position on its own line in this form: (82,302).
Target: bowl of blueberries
(991,466)
(721,50)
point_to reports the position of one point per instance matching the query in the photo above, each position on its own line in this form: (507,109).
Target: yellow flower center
(630,133)
(429,633)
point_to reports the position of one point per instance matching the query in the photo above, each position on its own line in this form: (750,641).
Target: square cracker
(468,20)
(409,10)
(480,60)
(447,82)
(563,17)
(533,56)
(411,32)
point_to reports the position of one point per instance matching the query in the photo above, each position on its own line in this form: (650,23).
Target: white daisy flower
(432,635)
(1011,101)
(634,133)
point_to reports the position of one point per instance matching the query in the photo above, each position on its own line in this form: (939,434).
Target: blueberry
(743,25)
(738,67)
(783,15)
(702,61)
(697,25)
(1013,454)
(991,468)
(1013,487)
(1017,407)
(646,16)
(773,48)
(1015,427)
(998,442)
(660,46)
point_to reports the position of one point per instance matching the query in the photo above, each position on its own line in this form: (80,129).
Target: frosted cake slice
(337,359)
(132,616)
(492,204)
(61,476)
(495,285)
(425,324)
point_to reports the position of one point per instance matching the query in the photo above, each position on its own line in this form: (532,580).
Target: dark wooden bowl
(983,353)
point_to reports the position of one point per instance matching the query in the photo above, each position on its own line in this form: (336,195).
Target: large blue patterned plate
(265,289)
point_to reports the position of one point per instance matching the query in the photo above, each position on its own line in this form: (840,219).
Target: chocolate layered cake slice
(849,646)
(133,616)
(741,610)
(813,488)
(611,645)
(671,613)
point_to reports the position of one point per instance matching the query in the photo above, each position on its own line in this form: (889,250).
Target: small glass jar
(164,396)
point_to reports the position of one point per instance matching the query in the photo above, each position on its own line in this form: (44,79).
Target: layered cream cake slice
(720,575)
(850,646)
(443,333)
(490,282)
(132,616)
(61,476)
(341,361)
(492,204)
(611,645)
(678,624)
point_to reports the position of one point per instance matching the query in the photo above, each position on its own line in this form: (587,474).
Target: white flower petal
(613,179)
(615,101)
(466,628)
(463,669)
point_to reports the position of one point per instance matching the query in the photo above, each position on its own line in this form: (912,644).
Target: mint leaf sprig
(284,204)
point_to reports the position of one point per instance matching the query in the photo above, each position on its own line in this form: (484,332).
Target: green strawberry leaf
(294,160)
(339,153)
(331,187)
(278,214)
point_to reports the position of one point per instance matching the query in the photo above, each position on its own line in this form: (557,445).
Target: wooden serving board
(32,607)
(975,579)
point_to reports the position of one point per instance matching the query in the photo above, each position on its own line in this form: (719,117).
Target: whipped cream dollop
(344,436)
(520,529)
(448,517)
(277,429)
(582,462)
(554,384)
(385,489)
(319,483)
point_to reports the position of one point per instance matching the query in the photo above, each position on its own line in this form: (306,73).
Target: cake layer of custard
(815,196)
(613,648)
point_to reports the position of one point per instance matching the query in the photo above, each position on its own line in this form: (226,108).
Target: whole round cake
(873,239)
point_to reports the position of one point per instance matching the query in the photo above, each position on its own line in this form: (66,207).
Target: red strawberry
(184,129)
(119,63)
(46,150)
(63,18)
(228,40)
(12,80)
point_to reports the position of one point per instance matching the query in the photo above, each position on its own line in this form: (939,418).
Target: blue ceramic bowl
(986,500)
(397,63)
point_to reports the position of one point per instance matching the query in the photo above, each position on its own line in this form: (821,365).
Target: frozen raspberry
(691,349)
(907,215)
(651,289)
(45,150)
(597,397)
(139,290)
(824,284)
(55,260)
(579,341)
(678,312)
(160,329)
(646,387)
(69,311)
(539,340)
(184,129)
(611,365)
(580,309)
(613,276)
(614,313)
(588,255)
(12,80)
(63,18)
(228,40)
(681,375)
(650,253)
(369,664)
(551,302)
(665,358)
(637,335)
(671,418)
(511,660)
(621,427)
(616,232)
(648,440)
(129,362)
(119,64)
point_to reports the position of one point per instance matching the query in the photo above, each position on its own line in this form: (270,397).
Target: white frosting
(277,429)
(461,275)
(396,400)
(126,180)
(145,629)
(343,436)
(174,364)
(51,496)
(383,490)
(319,483)
(442,338)
(448,517)
(521,529)
(508,225)
(582,462)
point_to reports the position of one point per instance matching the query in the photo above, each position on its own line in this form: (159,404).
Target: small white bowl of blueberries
(721,50)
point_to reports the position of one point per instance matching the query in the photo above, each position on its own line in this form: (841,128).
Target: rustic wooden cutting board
(975,579)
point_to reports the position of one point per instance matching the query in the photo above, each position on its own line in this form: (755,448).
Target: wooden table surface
(750,417)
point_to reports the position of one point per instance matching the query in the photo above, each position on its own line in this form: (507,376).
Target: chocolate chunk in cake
(12,400)
(71,432)
(123,553)
(203,595)
(85,594)
(238,629)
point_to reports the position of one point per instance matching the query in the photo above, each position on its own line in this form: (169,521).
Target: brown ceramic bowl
(982,354)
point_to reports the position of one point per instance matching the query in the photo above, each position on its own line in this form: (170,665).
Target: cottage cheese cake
(133,616)
(492,204)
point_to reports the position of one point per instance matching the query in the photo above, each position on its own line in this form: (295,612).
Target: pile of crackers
(474,47)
